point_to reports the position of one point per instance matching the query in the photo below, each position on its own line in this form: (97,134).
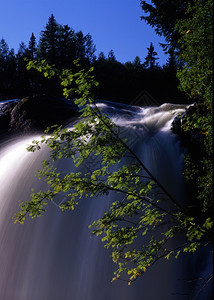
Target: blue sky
(113,24)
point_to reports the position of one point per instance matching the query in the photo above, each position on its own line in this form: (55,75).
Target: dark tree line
(61,45)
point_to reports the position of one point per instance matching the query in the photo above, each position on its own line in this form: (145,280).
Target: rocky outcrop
(187,137)
(5,117)
(36,113)
(190,137)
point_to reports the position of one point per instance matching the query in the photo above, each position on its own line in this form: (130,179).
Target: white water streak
(54,257)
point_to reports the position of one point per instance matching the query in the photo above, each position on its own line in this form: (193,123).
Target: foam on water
(54,257)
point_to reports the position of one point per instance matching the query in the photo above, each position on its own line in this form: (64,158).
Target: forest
(61,45)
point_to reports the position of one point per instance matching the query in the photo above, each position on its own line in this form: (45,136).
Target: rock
(176,125)
(5,117)
(178,121)
(190,138)
(38,112)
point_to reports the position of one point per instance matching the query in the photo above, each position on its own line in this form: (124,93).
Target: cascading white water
(54,257)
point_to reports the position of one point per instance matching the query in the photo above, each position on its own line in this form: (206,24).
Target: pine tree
(137,63)
(4,50)
(22,49)
(151,58)
(21,54)
(172,62)
(66,46)
(80,40)
(22,75)
(111,56)
(32,49)
(90,48)
(48,43)
(8,71)
(163,15)
(101,57)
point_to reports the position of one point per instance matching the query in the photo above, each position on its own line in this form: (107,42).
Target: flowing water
(54,257)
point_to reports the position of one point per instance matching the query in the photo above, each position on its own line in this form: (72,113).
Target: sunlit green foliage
(196,79)
(196,49)
(143,219)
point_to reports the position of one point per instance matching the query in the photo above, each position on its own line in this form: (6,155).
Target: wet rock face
(36,113)
(179,120)
(189,138)
(176,125)
(5,117)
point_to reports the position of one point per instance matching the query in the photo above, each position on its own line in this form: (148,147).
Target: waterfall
(54,257)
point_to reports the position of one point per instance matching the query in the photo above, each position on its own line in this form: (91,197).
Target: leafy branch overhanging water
(143,219)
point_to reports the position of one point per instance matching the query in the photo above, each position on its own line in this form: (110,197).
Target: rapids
(54,257)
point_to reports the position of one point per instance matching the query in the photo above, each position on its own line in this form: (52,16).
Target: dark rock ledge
(35,113)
